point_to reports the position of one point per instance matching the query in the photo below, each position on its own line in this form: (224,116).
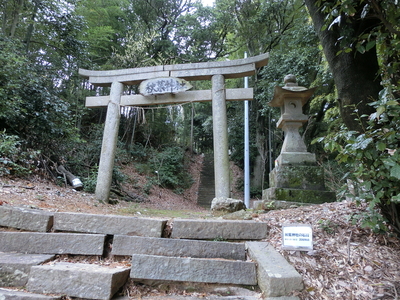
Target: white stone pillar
(109,145)
(220,137)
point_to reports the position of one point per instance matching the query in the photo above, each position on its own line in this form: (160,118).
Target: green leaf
(396,199)
(389,162)
(395,171)
(361,49)
(362,142)
(380,110)
(392,102)
(368,154)
(367,185)
(370,45)
(381,146)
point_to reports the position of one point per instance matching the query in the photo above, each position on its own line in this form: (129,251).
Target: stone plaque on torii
(173,75)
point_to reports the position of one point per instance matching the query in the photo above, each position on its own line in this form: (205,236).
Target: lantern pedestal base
(301,183)
(296,158)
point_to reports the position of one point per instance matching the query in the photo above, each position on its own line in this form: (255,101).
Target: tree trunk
(18,7)
(259,163)
(356,75)
(29,31)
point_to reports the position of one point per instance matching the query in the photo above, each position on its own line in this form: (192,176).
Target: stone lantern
(296,176)
(291,99)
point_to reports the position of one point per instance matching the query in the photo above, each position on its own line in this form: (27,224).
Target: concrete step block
(128,245)
(52,243)
(219,229)
(152,267)
(77,280)
(276,277)
(109,224)
(15,267)
(26,218)
(6,294)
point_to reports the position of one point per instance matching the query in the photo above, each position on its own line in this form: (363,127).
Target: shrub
(375,159)
(13,159)
(169,168)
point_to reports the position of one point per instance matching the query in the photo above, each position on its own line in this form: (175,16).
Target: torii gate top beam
(193,71)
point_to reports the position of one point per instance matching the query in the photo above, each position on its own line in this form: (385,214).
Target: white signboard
(163,85)
(297,237)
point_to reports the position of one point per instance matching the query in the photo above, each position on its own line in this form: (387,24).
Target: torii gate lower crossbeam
(214,71)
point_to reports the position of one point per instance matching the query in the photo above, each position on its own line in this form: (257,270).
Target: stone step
(187,256)
(219,230)
(206,190)
(77,280)
(52,243)
(276,277)
(109,224)
(15,267)
(26,218)
(6,294)
(128,245)
(153,267)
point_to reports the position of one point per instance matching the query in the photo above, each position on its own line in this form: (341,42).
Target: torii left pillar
(109,144)
(220,137)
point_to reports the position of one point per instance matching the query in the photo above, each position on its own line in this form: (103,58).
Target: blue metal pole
(246,147)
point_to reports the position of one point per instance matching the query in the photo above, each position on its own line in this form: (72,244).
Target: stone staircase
(191,254)
(207,182)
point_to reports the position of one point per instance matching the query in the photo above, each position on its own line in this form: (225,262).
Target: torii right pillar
(296,176)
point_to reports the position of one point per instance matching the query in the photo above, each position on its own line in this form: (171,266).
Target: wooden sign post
(168,85)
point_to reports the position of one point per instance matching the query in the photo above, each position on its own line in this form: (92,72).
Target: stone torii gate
(217,72)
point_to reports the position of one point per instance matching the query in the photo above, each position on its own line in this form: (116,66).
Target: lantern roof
(291,90)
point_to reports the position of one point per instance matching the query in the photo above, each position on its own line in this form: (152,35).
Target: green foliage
(12,75)
(13,159)
(203,131)
(138,152)
(105,24)
(374,157)
(83,155)
(336,176)
(372,219)
(327,225)
(9,145)
(202,33)
(340,12)
(90,181)
(377,30)
(36,80)
(168,166)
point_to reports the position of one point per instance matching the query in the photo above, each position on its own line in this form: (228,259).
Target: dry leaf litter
(347,261)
